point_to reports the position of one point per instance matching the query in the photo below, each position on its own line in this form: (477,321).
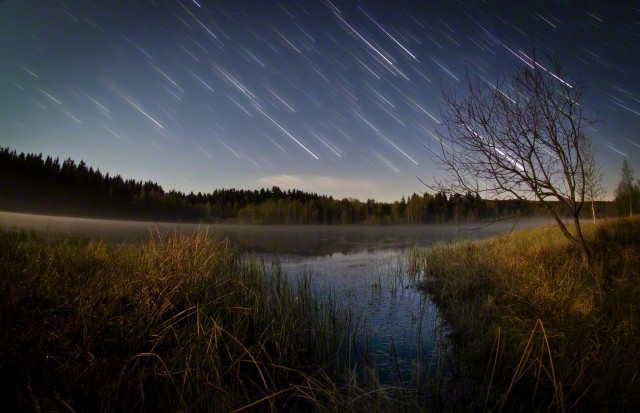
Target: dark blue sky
(334,97)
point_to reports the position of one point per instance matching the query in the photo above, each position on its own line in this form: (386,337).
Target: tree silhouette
(626,191)
(30,183)
(522,138)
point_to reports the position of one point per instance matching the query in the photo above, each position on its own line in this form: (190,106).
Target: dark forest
(33,183)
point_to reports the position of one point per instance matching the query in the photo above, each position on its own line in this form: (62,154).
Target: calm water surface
(363,267)
(398,323)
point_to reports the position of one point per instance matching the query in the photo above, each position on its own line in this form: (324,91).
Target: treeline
(31,183)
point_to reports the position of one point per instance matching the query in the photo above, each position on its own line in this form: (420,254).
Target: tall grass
(541,331)
(179,323)
(182,322)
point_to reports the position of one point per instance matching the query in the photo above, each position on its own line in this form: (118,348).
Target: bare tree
(593,176)
(522,138)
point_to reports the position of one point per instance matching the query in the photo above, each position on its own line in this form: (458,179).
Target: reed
(181,322)
(186,322)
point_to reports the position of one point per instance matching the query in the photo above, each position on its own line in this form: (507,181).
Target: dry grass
(185,323)
(180,323)
(543,332)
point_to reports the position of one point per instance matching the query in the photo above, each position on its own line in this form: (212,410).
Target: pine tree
(625,191)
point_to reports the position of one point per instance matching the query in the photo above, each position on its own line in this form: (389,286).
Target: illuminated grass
(541,331)
(182,322)
(179,323)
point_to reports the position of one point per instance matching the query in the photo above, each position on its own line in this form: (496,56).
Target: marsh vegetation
(187,320)
(539,330)
(181,322)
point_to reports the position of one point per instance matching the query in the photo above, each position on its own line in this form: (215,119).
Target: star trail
(334,97)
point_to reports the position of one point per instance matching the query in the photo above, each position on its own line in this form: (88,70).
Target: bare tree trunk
(577,240)
(593,211)
(582,245)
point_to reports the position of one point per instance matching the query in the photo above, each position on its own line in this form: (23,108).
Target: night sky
(334,97)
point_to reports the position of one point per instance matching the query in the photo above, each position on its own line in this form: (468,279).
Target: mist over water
(282,239)
(362,267)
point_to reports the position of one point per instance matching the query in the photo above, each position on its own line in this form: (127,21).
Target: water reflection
(398,323)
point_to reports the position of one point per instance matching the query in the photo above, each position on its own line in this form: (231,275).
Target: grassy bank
(180,323)
(540,331)
(184,322)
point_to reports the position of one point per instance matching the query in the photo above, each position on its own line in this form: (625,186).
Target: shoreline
(307,239)
(525,314)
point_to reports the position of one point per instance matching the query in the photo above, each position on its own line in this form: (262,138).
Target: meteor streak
(132,103)
(389,164)
(388,34)
(29,71)
(50,97)
(199,22)
(401,151)
(166,76)
(285,131)
(445,69)
(97,103)
(364,40)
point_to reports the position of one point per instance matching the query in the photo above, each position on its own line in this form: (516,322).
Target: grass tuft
(181,322)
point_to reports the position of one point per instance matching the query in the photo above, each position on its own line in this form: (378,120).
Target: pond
(398,325)
(363,268)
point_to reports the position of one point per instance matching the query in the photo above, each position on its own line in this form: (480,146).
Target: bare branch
(522,138)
